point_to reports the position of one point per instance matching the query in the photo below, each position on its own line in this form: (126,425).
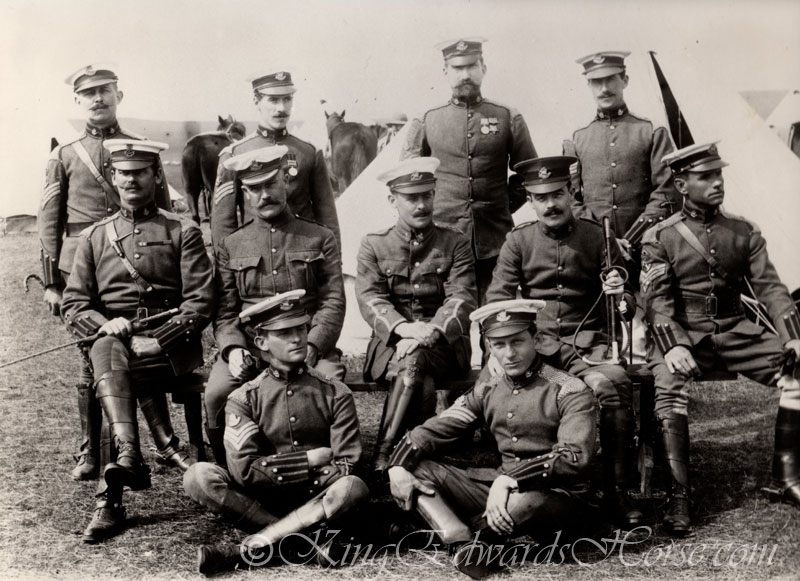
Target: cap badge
(89,70)
(712,150)
(129,153)
(503,317)
(415,177)
(280,76)
(286,306)
(255,166)
(461,45)
(544,173)
(599,59)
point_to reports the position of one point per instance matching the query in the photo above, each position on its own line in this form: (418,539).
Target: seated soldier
(563,261)
(135,264)
(416,288)
(695,266)
(292,439)
(544,422)
(272,253)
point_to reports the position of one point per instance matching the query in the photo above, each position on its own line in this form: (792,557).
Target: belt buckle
(711,306)
(141,313)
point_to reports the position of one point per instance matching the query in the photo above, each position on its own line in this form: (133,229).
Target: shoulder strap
(87,161)
(687,235)
(111,234)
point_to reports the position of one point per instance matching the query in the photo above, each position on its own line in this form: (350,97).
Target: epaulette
(435,109)
(482,386)
(381,232)
(186,223)
(56,152)
(229,148)
(339,386)
(304,219)
(511,110)
(567,383)
(448,227)
(524,225)
(246,223)
(133,134)
(591,221)
(241,394)
(303,141)
(574,133)
(747,221)
(638,118)
(89,229)
(651,234)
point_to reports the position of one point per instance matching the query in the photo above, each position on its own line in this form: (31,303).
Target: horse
(353,147)
(200,160)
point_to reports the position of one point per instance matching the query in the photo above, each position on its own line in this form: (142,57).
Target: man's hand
(424,333)
(405,486)
(52,298)
(119,327)
(319,457)
(679,360)
(405,347)
(312,355)
(495,369)
(496,513)
(794,345)
(240,363)
(613,284)
(144,346)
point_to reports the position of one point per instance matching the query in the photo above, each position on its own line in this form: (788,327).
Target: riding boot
(108,517)
(674,431)
(616,430)
(119,406)
(786,458)
(215,438)
(88,459)
(156,412)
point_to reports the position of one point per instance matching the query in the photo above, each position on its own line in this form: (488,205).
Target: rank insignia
(651,272)
(233,420)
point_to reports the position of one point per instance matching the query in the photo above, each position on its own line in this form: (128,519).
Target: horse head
(333,120)
(234,130)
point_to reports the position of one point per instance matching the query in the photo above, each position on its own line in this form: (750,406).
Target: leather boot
(301,518)
(88,459)
(108,519)
(215,559)
(383,443)
(215,438)
(156,411)
(616,430)
(472,559)
(119,405)
(674,431)
(786,458)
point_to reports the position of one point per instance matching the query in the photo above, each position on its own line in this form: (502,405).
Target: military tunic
(309,189)
(476,142)
(544,425)
(169,254)
(73,198)
(563,269)
(689,303)
(407,276)
(621,172)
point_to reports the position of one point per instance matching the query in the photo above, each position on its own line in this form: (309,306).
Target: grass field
(738,534)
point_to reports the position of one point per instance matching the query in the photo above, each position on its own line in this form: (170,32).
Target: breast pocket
(304,266)
(248,278)
(396,274)
(434,272)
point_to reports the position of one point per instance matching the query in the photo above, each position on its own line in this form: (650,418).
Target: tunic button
(469,134)
(295,443)
(612,126)
(613,186)
(316,483)
(293,419)
(614,207)
(416,286)
(515,392)
(137,231)
(514,439)
(712,251)
(469,115)
(416,243)
(110,210)
(280,478)
(469,157)
(509,415)
(274,250)
(708,229)
(289,392)
(438,270)
(558,319)
(560,268)
(274,470)
(274,272)
(613,164)
(516,459)
(272,229)
(263,463)
(137,255)
(561,286)
(471,200)
(611,144)
(326,472)
(416,264)
(470,178)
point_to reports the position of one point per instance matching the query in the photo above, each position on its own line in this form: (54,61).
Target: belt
(75,228)
(712,306)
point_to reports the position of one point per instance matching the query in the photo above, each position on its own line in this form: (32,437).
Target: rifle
(138,325)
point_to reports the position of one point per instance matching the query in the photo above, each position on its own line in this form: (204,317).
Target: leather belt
(712,306)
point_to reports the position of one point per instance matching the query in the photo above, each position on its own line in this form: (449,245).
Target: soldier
(620,173)
(416,288)
(562,260)
(77,193)
(695,266)
(309,187)
(477,141)
(544,423)
(273,252)
(292,439)
(132,265)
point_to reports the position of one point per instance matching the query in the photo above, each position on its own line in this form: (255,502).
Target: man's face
(136,187)
(703,188)
(100,104)
(274,111)
(414,210)
(267,199)
(554,208)
(284,346)
(515,353)
(607,92)
(465,79)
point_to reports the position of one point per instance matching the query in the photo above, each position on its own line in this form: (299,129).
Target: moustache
(553,213)
(97,107)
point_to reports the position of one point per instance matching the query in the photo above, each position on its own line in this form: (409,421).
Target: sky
(191,60)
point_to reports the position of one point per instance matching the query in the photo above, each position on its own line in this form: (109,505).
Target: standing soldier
(562,261)
(416,288)
(292,440)
(477,141)
(77,193)
(619,172)
(272,253)
(695,266)
(135,264)
(309,187)
(544,422)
